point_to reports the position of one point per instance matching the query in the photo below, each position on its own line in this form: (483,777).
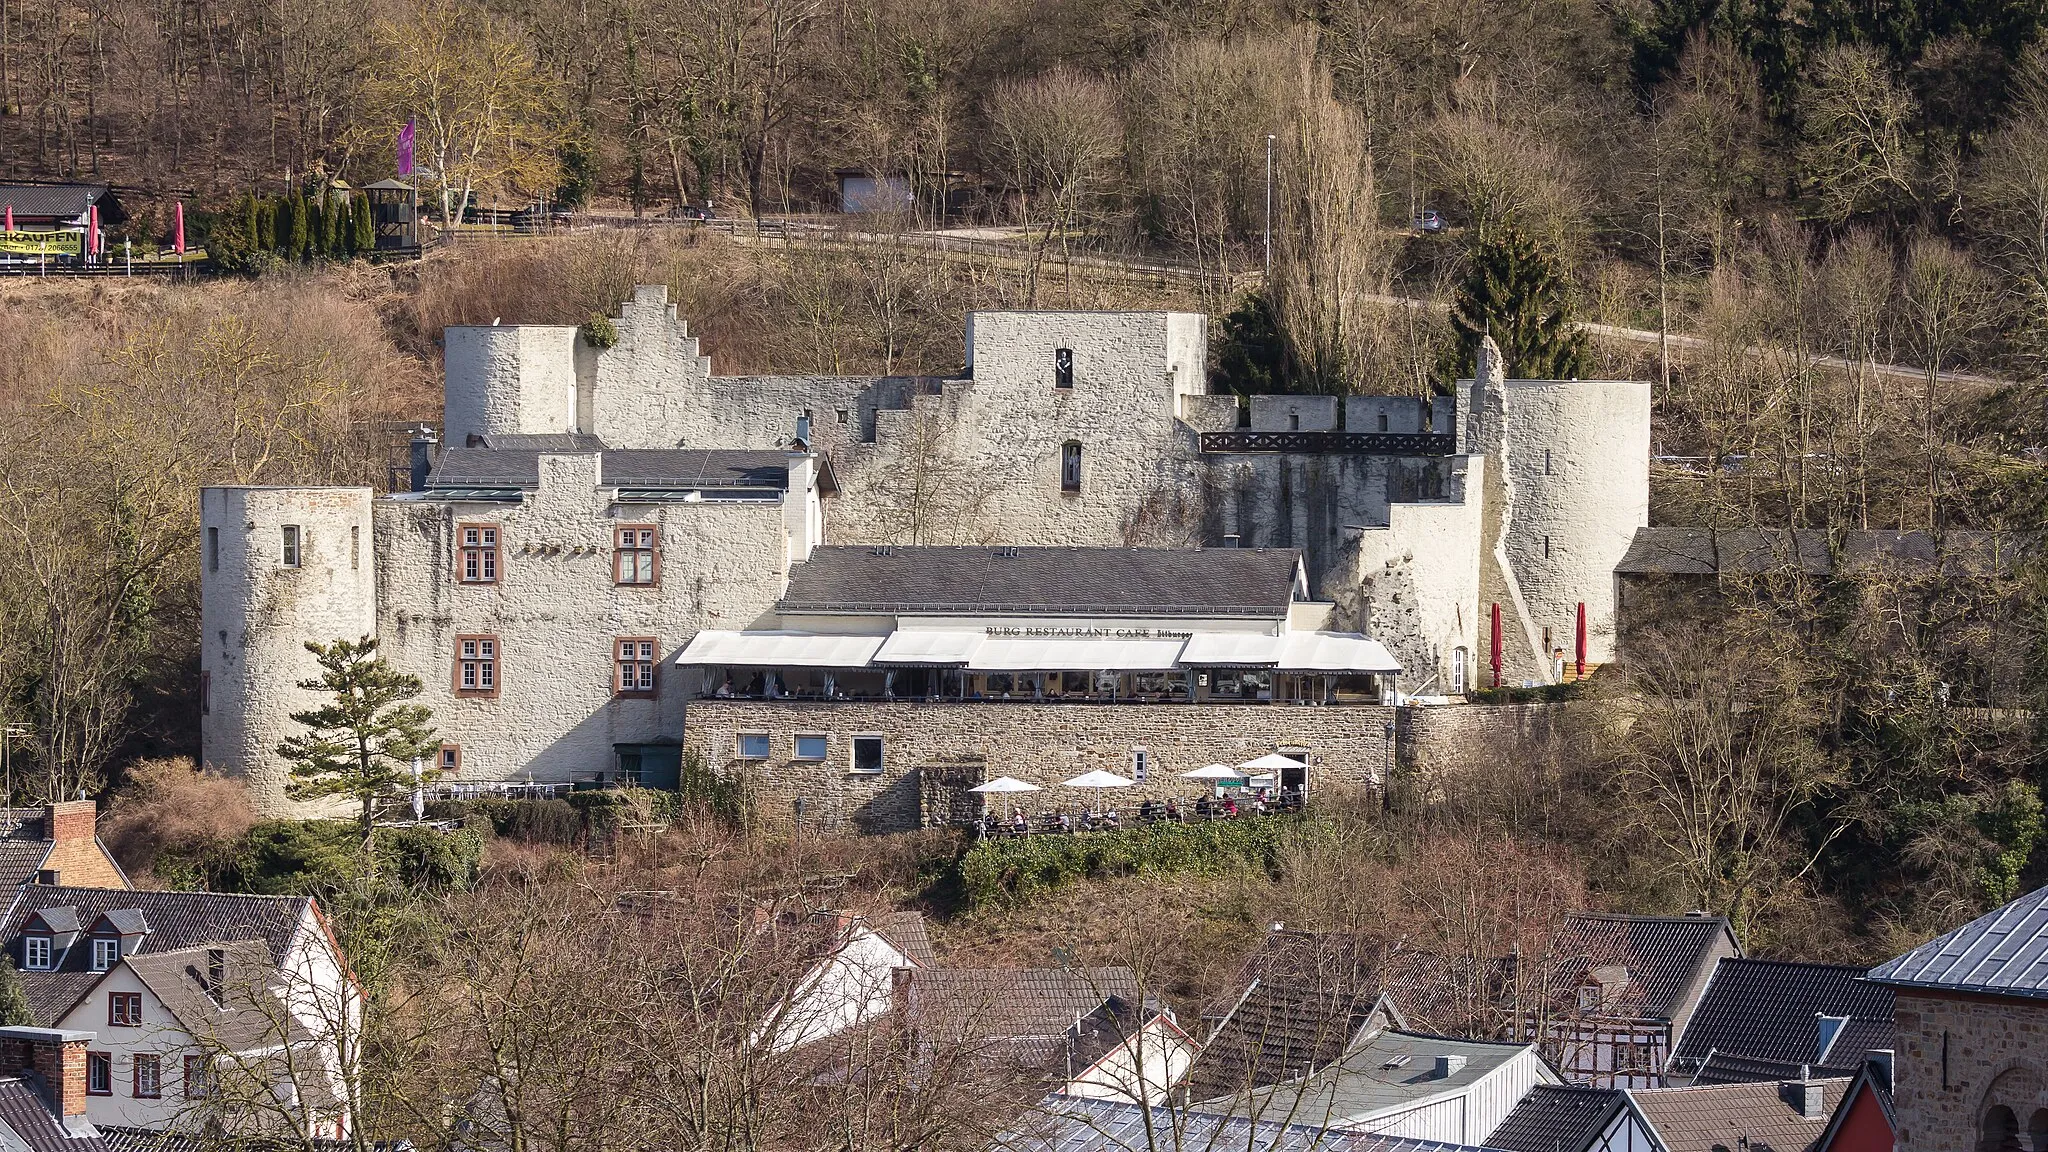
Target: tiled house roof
(1667,959)
(906,932)
(1006,1007)
(1167,581)
(1760,1116)
(2001,953)
(1557,1118)
(1069,1124)
(1771,1010)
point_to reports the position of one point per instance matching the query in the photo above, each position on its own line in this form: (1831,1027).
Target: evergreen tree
(14,1010)
(301,229)
(1516,292)
(252,222)
(333,218)
(316,227)
(365,240)
(361,743)
(277,219)
(1253,358)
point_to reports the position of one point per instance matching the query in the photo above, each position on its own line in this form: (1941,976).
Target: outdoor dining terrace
(1268,785)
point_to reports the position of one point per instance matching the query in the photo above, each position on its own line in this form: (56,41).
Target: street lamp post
(1269,206)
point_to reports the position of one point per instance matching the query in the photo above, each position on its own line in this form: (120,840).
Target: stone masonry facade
(939,750)
(1959,1056)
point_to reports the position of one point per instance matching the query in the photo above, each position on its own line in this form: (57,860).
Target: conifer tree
(297,239)
(365,226)
(361,742)
(277,218)
(1516,292)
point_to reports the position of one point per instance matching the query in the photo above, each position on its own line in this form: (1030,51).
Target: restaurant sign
(1094,633)
(40,243)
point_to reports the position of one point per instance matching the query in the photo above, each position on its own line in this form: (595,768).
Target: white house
(855,981)
(198,1003)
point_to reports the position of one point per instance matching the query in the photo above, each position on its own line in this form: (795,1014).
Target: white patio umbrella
(1098,779)
(1213,772)
(1004,784)
(1270,762)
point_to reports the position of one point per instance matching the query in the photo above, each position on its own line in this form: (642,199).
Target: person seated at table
(1111,820)
(1230,806)
(1172,812)
(1259,804)
(1202,805)
(1019,823)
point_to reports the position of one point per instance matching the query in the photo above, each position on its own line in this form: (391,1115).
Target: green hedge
(1540,694)
(1005,872)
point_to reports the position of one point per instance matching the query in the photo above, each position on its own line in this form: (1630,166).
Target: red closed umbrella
(178,236)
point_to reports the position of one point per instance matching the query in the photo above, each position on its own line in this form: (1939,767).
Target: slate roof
(1733,1068)
(1720,1116)
(177,920)
(1668,958)
(25,1112)
(62,201)
(905,931)
(986,580)
(1767,1009)
(618,468)
(1389,1071)
(1556,1118)
(1070,1124)
(997,1005)
(2001,953)
(1751,551)
(247,1015)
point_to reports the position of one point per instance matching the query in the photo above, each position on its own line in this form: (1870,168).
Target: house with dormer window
(201,1006)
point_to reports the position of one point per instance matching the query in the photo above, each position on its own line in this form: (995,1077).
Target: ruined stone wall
(256,615)
(1958,1056)
(1039,743)
(1414,584)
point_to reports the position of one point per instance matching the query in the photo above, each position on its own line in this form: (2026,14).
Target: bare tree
(1857,145)
(1058,132)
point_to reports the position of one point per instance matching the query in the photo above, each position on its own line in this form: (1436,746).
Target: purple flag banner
(405,149)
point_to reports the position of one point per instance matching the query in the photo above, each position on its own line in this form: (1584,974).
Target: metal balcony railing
(1332,443)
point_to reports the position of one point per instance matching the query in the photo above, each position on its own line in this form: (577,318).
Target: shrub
(1006,872)
(599,331)
(173,812)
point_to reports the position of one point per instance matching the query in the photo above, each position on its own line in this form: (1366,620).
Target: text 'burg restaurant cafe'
(1094,625)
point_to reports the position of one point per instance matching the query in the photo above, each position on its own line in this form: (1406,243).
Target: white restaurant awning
(1076,653)
(929,648)
(780,650)
(1335,652)
(1232,649)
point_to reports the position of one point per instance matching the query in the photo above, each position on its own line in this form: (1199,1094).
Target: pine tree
(1252,360)
(361,743)
(297,239)
(1516,292)
(365,226)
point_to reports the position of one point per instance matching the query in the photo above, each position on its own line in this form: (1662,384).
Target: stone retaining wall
(933,750)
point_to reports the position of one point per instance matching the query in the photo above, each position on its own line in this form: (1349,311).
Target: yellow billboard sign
(41,243)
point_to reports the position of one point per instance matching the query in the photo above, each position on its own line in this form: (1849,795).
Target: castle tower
(515,379)
(278,567)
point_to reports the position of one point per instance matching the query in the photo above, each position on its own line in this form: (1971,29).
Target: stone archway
(2013,1113)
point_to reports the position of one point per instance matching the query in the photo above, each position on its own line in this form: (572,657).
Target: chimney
(1230,539)
(1805,1095)
(1448,1066)
(422,459)
(69,827)
(53,1059)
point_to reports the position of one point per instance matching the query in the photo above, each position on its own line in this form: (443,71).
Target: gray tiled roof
(1733,1068)
(1767,1009)
(1557,1118)
(992,580)
(618,468)
(2003,953)
(177,920)
(25,1112)
(907,933)
(1717,1117)
(1668,958)
(68,201)
(247,1013)
(1003,1004)
(1069,1124)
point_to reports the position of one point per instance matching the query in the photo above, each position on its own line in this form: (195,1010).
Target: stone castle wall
(1958,1056)
(1039,743)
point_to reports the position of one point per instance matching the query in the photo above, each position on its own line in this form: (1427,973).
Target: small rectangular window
(476,666)
(451,759)
(478,563)
(1546,461)
(811,746)
(1070,467)
(35,953)
(636,554)
(1383,421)
(213,549)
(149,1076)
(630,765)
(867,753)
(1546,547)
(124,1008)
(288,553)
(1141,759)
(355,546)
(844,416)
(633,665)
(105,953)
(753,745)
(1294,421)
(1063,368)
(198,1078)
(206,693)
(99,1073)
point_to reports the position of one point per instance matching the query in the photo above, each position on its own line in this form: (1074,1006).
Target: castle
(868,593)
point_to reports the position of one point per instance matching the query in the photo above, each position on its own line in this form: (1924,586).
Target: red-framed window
(99,1073)
(149,1076)
(476,560)
(636,555)
(198,1077)
(451,759)
(476,666)
(124,1009)
(633,661)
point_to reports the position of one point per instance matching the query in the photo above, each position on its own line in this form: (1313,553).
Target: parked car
(1430,222)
